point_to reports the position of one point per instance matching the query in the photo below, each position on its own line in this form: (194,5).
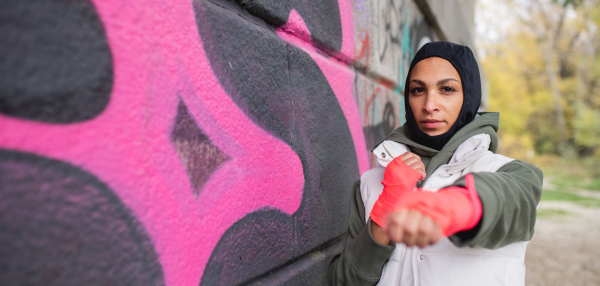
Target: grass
(575,181)
(548,213)
(548,195)
(581,173)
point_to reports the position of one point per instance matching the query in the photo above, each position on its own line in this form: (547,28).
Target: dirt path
(565,249)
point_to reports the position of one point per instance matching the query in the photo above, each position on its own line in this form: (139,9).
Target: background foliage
(542,62)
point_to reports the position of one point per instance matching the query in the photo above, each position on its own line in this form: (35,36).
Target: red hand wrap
(454,209)
(398,178)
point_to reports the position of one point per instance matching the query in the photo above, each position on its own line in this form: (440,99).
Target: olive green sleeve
(362,258)
(509,198)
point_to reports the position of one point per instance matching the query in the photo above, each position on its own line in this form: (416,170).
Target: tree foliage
(544,77)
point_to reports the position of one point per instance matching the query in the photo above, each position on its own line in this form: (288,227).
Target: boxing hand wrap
(454,209)
(398,178)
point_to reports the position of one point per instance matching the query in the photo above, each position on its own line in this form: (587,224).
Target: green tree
(543,76)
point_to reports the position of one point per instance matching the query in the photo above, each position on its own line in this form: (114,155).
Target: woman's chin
(434,131)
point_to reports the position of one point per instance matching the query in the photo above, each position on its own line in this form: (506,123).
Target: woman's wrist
(379,234)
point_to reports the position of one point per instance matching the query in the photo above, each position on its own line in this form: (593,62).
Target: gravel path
(565,249)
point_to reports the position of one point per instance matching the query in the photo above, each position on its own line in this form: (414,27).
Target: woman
(443,208)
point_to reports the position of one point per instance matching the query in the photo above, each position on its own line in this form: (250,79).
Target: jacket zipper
(431,176)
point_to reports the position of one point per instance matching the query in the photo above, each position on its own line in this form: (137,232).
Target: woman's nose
(431,103)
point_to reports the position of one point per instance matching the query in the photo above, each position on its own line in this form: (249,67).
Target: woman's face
(435,95)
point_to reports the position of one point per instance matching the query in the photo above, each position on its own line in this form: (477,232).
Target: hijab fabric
(463,60)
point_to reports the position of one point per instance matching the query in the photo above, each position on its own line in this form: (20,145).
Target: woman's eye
(417,90)
(448,89)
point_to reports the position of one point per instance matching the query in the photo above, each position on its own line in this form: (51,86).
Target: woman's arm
(509,199)
(362,258)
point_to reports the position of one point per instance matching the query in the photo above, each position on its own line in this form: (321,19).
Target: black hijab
(463,60)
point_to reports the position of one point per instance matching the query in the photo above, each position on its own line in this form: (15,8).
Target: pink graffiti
(347,50)
(158,61)
(296,26)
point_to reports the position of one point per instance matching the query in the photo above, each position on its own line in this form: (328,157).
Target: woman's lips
(431,124)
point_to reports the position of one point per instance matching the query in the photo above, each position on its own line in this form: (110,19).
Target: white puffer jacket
(444,263)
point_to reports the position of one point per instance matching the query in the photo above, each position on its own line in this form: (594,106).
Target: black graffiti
(377,132)
(392,19)
(322,18)
(389,118)
(60,225)
(55,61)
(283,91)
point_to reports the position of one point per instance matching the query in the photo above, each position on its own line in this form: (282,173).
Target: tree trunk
(560,116)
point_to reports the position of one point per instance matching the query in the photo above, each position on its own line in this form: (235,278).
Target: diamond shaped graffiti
(196,152)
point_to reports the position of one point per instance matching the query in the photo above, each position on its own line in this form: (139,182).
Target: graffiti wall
(200,142)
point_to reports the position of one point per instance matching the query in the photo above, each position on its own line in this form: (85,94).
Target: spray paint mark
(196,152)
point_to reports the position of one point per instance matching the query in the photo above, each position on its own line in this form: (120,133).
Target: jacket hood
(484,123)
(463,60)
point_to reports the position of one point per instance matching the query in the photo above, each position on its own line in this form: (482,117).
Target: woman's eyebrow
(418,81)
(443,81)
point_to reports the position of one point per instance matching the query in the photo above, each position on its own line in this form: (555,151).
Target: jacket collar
(484,123)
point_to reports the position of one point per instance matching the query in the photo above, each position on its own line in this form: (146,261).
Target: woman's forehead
(434,68)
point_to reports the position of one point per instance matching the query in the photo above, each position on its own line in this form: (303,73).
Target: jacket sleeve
(362,258)
(509,198)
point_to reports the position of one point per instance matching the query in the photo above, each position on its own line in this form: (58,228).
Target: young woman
(443,208)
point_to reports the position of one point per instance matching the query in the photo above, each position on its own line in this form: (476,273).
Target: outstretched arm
(489,209)
(509,199)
